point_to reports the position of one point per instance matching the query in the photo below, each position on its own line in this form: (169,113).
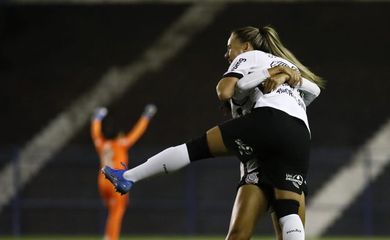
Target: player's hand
(295,78)
(150,110)
(100,113)
(294,75)
(272,83)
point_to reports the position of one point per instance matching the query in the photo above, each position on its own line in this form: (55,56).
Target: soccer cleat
(115,176)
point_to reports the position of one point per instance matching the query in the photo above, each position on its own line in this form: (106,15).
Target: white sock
(169,160)
(292,227)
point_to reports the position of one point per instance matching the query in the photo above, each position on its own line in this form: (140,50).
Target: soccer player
(275,132)
(113,153)
(252,192)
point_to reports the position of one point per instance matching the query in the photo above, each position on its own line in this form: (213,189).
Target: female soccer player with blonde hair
(273,132)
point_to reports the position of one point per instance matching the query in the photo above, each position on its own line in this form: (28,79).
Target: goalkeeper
(113,152)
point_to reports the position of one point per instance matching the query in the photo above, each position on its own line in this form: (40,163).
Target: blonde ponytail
(267,39)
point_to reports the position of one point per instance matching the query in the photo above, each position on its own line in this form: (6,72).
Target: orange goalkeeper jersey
(114,151)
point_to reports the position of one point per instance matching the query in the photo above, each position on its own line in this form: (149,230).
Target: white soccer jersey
(240,107)
(284,98)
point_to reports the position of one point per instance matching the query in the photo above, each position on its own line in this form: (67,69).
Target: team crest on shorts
(296,179)
(252,178)
(243,148)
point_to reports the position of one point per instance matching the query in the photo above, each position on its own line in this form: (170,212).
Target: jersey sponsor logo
(252,178)
(296,179)
(281,63)
(251,165)
(287,90)
(240,60)
(243,149)
(165,168)
(278,63)
(293,230)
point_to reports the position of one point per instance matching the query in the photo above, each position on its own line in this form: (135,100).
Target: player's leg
(276,225)
(215,142)
(116,210)
(286,167)
(169,160)
(275,219)
(211,144)
(175,158)
(250,204)
(290,210)
(105,191)
(290,184)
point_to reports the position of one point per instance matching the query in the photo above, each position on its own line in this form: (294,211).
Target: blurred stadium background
(59,60)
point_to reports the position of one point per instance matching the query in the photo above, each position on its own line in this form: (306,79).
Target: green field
(173,238)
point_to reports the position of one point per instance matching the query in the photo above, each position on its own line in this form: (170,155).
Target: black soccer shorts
(280,142)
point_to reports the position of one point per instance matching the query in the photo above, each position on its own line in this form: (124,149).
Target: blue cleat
(116,178)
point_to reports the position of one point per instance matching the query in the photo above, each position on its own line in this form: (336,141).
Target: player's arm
(273,77)
(225,88)
(140,127)
(237,86)
(247,71)
(96,126)
(310,91)
(251,81)
(239,67)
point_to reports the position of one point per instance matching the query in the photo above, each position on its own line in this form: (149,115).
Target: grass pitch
(171,238)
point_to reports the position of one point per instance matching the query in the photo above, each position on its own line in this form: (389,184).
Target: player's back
(113,152)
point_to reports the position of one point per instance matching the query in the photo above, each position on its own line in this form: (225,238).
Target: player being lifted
(275,132)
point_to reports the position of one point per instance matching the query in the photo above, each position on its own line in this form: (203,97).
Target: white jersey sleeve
(310,91)
(252,69)
(284,98)
(253,79)
(246,63)
(247,83)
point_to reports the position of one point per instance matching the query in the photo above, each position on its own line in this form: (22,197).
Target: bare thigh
(250,204)
(215,142)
